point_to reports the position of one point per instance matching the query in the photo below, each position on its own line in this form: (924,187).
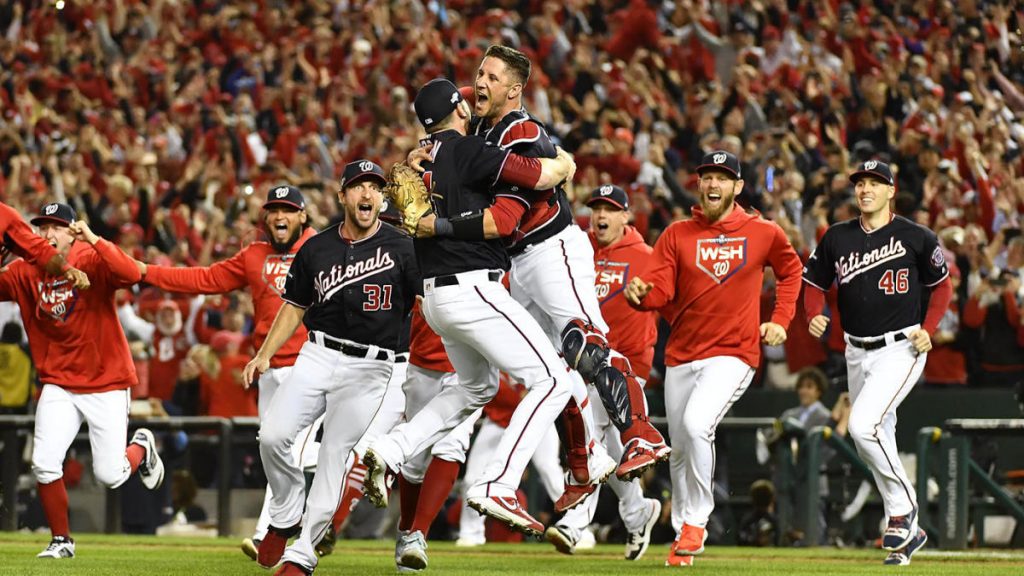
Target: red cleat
(273,544)
(292,569)
(508,511)
(691,541)
(640,455)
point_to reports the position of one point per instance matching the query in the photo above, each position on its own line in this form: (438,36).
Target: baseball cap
(611,194)
(286,195)
(874,168)
(362,169)
(720,160)
(55,213)
(435,101)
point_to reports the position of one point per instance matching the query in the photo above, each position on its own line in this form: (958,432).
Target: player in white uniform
(352,286)
(882,265)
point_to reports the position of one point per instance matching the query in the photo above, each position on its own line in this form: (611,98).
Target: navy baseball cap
(55,213)
(611,194)
(435,101)
(722,161)
(874,168)
(286,196)
(362,169)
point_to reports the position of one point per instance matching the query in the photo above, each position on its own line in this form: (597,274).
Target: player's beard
(286,246)
(714,212)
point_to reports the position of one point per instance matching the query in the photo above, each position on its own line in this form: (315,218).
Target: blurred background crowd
(165,123)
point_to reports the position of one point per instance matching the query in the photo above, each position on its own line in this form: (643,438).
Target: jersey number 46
(895,282)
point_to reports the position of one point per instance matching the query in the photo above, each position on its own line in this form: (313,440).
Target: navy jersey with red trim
(459,175)
(881,274)
(361,291)
(548,211)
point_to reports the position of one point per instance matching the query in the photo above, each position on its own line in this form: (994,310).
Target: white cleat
(60,547)
(151,469)
(411,552)
(637,542)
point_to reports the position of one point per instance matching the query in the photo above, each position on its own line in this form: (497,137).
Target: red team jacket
(708,279)
(425,347)
(631,332)
(19,237)
(77,341)
(258,266)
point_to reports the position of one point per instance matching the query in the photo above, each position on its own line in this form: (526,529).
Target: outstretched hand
(637,290)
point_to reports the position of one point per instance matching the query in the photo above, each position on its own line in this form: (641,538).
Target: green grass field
(156,556)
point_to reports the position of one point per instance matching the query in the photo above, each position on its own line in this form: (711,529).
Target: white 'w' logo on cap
(365,166)
(718,158)
(870,165)
(50,209)
(606,190)
(281,192)
(455,97)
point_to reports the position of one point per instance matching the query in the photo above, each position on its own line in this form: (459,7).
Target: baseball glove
(408,194)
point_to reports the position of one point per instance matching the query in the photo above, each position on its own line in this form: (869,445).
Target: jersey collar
(361,240)
(860,221)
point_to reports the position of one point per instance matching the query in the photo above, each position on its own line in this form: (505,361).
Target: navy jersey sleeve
(298,285)
(820,270)
(932,260)
(412,278)
(481,162)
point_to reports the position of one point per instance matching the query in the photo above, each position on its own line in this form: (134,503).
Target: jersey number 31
(377,297)
(895,282)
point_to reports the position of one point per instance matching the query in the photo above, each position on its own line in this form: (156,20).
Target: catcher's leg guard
(585,348)
(572,432)
(612,387)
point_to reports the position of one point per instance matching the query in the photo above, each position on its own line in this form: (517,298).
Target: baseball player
(352,285)
(18,238)
(706,280)
(263,267)
(882,265)
(619,254)
(481,326)
(83,362)
(553,271)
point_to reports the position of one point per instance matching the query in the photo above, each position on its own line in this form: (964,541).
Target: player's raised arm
(121,266)
(288,319)
(218,278)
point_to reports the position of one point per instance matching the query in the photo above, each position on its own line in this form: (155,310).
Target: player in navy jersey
(352,286)
(883,265)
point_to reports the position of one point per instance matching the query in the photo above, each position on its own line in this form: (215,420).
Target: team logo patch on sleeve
(938,257)
(275,270)
(721,257)
(57,299)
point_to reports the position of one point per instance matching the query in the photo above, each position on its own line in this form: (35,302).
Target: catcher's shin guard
(573,433)
(585,349)
(612,386)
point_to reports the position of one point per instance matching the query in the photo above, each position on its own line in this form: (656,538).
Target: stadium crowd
(166,123)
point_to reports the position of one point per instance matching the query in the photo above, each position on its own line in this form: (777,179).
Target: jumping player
(18,238)
(706,282)
(882,264)
(82,358)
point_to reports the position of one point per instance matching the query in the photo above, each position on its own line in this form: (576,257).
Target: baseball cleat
(411,552)
(151,469)
(272,546)
(900,532)
(251,548)
(60,547)
(902,557)
(508,511)
(637,542)
(691,541)
(563,538)
(378,479)
(575,493)
(326,544)
(292,569)
(640,455)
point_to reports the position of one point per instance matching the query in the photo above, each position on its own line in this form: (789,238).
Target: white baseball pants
(421,385)
(697,396)
(483,329)
(59,416)
(879,381)
(348,392)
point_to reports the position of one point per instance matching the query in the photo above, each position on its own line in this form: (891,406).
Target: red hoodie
(77,341)
(707,282)
(258,266)
(631,332)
